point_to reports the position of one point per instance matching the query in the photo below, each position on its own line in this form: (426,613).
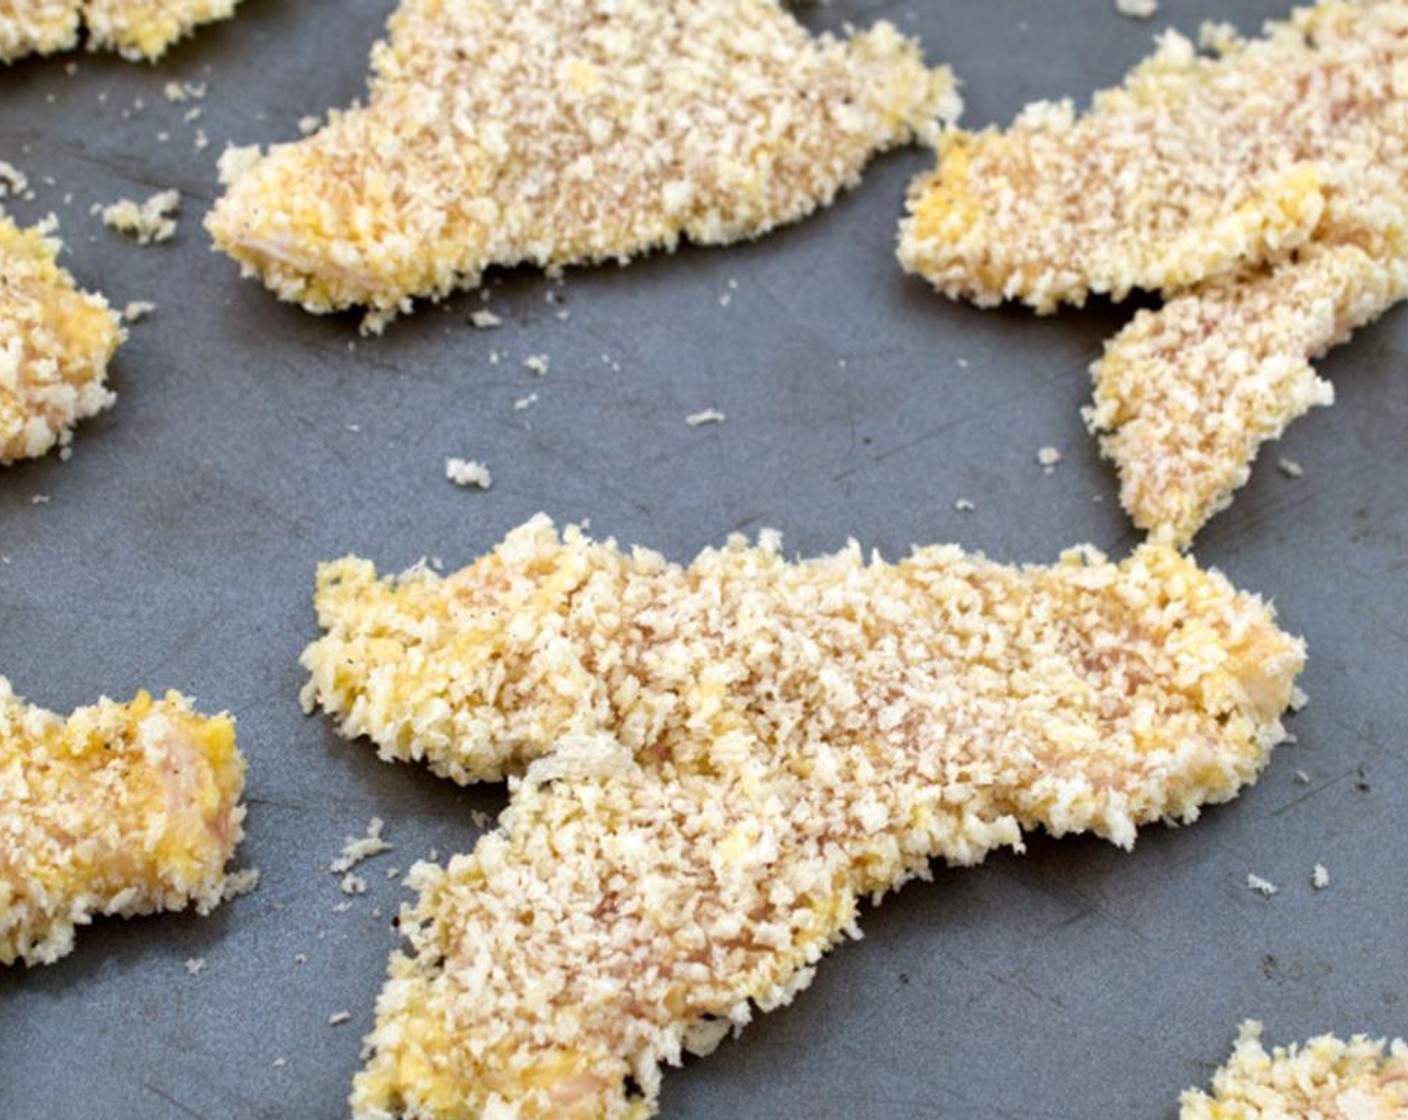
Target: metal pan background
(176,549)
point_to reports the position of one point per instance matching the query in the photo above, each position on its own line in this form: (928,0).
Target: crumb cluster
(136,29)
(712,766)
(1356,1080)
(150,222)
(555,132)
(1261,185)
(55,345)
(119,809)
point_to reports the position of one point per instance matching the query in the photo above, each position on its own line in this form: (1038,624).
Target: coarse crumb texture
(119,809)
(1186,395)
(55,345)
(1326,1079)
(136,29)
(711,766)
(555,132)
(1261,185)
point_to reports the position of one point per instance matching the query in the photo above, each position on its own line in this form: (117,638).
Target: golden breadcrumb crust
(1262,186)
(119,809)
(555,132)
(711,766)
(1185,396)
(1327,1079)
(55,345)
(136,29)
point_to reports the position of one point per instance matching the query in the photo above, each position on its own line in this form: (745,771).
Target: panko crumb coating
(119,809)
(136,29)
(1327,1079)
(710,767)
(1262,186)
(555,132)
(55,345)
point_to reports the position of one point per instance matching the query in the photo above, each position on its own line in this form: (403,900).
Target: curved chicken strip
(137,29)
(55,345)
(715,764)
(1327,1079)
(1264,189)
(1186,395)
(555,132)
(116,810)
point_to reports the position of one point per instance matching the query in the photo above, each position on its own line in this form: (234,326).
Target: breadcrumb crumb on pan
(136,29)
(554,132)
(1327,1078)
(55,345)
(119,809)
(1262,186)
(712,766)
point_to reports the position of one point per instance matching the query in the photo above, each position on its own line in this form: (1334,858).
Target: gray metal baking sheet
(176,549)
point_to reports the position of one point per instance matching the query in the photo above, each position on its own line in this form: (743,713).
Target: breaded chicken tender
(1327,1079)
(1184,396)
(55,345)
(710,767)
(136,29)
(1262,187)
(554,132)
(119,809)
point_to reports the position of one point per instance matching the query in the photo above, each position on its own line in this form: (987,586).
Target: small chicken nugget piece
(555,132)
(713,765)
(119,809)
(55,345)
(1327,1078)
(1186,395)
(1264,189)
(136,29)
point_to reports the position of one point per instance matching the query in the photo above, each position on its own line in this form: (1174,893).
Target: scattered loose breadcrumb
(1137,9)
(963,505)
(137,310)
(468,472)
(353,884)
(1329,1079)
(55,345)
(711,766)
(279,1063)
(1302,777)
(538,364)
(551,133)
(1048,457)
(119,809)
(309,125)
(195,965)
(150,222)
(239,883)
(484,320)
(706,416)
(1262,188)
(1320,877)
(136,29)
(359,848)
(1264,887)
(524,403)
(13,181)
(337,1018)
(1289,467)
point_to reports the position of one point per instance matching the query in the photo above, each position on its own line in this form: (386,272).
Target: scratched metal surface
(176,550)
